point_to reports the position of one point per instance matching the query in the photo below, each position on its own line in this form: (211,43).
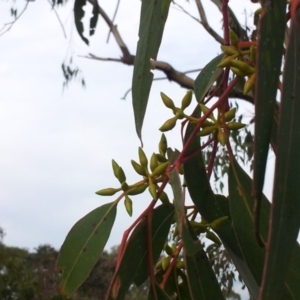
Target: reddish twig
(212,158)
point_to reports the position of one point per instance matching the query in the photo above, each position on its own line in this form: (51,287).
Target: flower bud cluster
(241,62)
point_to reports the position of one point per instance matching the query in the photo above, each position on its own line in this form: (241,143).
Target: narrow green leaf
(84,245)
(241,202)
(272,26)
(206,78)
(134,264)
(78,16)
(212,207)
(285,220)
(154,14)
(202,281)
(94,18)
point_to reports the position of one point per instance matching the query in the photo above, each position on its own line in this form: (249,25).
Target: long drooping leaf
(154,14)
(202,281)
(241,202)
(207,77)
(272,26)
(212,207)
(78,16)
(134,265)
(285,220)
(84,245)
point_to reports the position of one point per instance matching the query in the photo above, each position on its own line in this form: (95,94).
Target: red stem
(212,159)
(203,118)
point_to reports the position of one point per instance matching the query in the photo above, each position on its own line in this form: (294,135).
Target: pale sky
(56,148)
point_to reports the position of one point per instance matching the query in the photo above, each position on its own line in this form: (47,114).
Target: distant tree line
(31,275)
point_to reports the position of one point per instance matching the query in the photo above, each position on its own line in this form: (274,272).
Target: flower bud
(137,190)
(138,168)
(168,125)
(163,145)
(216,224)
(222,137)
(213,237)
(187,99)
(152,190)
(168,249)
(160,169)
(244,67)
(234,39)
(107,192)
(249,84)
(180,264)
(229,115)
(229,50)
(128,205)
(164,198)
(206,131)
(124,186)
(165,262)
(121,175)
(168,102)
(143,158)
(235,125)
(227,61)
(115,168)
(153,162)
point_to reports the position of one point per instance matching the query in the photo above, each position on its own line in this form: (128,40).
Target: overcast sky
(56,147)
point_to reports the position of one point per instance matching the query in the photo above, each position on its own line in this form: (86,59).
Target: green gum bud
(253,54)
(121,175)
(204,109)
(168,249)
(168,125)
(222,137)
(216,224)
(207,123)
(180,115)
(213,237)
(137,190)
(234,40)
(229,115)
(143,158)
(159,265)
(187,99)
(176,231)
(152,190)
(237,72)
(229,50)
(249,84)
(107,192)
(244,67)
(207,130)
(181,170)
(115,168)
(128,205)
(163,145)
(235,125)
(153,162)
(166,262)
(161,158)
(138,168)
(160,169)
(168,102)
(227,61)
(180,264)
(124,186)
(198,227)
(164,198)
